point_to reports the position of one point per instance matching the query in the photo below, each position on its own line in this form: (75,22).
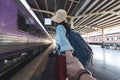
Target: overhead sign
(48,21)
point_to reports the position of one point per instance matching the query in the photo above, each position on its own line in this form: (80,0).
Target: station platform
(106,65)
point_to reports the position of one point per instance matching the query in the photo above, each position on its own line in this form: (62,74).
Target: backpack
(81,49)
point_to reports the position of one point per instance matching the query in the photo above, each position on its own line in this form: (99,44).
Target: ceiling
(87,15)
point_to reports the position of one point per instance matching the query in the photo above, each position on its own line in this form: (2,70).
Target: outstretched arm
(75,69)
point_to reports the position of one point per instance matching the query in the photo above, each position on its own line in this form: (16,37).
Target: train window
(112,38)
(23,23)
(115,38)
(94,39)
(118,38)
(105,39)
(27,21)
(98,39)
(48,21)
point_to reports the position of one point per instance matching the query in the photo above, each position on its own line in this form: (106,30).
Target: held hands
(73,68)
(73,64)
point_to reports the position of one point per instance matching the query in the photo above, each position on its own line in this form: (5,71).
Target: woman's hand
(74,67)
(69,56)
(73,64)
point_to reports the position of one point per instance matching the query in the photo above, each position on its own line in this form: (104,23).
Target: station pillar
(87,38)
(72,24)
(102,37)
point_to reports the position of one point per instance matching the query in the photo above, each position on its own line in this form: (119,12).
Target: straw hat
(60,16)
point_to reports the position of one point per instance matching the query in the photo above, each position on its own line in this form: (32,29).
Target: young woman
(65,47)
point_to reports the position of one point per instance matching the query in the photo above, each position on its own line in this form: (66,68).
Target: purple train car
(19,32)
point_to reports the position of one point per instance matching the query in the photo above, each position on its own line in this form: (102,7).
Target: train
(109,41)
(20,33)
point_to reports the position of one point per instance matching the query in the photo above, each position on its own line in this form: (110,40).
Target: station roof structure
(87,15)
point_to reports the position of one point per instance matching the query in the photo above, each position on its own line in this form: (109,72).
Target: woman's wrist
(68,53)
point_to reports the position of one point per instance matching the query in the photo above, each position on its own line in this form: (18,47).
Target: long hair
(66,25)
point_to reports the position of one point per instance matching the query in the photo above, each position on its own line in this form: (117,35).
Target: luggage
(60,71)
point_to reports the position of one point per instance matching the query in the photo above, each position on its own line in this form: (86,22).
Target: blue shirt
(62,40)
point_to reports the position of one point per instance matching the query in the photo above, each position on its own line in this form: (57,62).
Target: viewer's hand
(74,67)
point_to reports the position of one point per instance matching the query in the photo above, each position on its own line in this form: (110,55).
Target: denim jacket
(62,40)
